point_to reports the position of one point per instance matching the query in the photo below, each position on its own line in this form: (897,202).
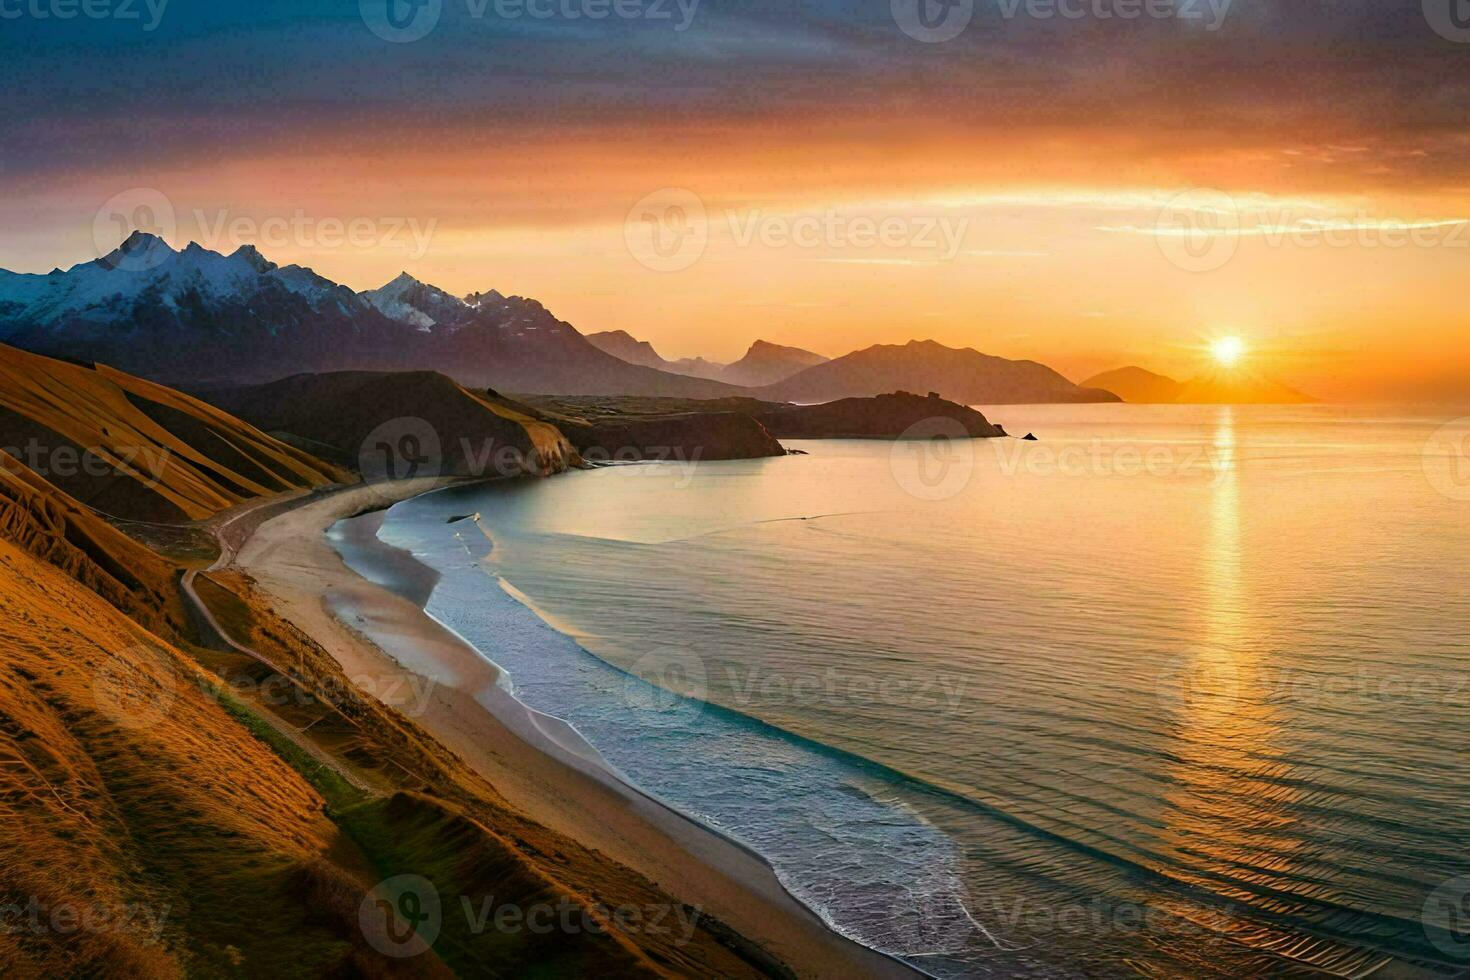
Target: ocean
(1172,691)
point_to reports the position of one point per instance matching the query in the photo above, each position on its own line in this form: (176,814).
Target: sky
(1089,183)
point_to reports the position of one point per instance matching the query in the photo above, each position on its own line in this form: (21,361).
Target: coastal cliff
(179,757)
(742,428)
(636,428)
(882,417)
(403,425)
(695,436)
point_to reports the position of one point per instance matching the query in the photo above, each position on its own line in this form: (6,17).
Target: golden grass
(132,778)
(48,524)
(91,408)
(162,815)
(124,788)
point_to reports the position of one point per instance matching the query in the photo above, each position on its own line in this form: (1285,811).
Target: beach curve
(397,652)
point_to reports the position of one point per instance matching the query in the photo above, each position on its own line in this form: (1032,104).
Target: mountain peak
(478,300)
(766,363)
(251,255)
(966,376)
(139,240)
(764,348)
(425,306)
(139,250)
(399,283)
(625,347)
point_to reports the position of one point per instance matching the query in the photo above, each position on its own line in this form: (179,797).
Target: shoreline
(388,643)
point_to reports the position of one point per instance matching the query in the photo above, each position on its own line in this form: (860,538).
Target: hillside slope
(45,523)
(403,425)
(136,450)
(131,797)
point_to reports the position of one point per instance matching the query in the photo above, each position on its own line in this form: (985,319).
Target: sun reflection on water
(1225,816)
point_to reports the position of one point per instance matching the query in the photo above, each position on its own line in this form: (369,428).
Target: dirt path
(229,545)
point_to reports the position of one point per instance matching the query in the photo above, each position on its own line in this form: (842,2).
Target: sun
(1228,350)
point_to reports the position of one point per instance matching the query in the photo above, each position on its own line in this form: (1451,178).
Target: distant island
(745,428)
(1234,386)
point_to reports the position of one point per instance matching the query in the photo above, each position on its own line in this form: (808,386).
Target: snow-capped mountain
(407,300)
(145,270)
(432,310)
(195,316)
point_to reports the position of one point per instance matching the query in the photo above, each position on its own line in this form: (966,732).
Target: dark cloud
(216,78)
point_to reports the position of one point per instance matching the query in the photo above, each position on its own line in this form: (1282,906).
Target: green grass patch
(337,791)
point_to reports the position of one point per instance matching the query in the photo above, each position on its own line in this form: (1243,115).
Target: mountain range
(770,372)
(1223,386)
(763,364)
(195,317)
(767,363)
(962,375)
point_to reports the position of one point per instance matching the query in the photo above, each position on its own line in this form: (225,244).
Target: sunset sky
(1016,189)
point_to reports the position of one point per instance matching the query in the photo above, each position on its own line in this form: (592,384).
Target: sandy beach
(394,651)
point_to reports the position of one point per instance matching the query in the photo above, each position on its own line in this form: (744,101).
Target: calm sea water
(1172,691)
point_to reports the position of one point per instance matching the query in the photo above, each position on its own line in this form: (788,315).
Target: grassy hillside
(136,450)
(127,790)
(205,815)
(47,524)
(395,425)
(173,809)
